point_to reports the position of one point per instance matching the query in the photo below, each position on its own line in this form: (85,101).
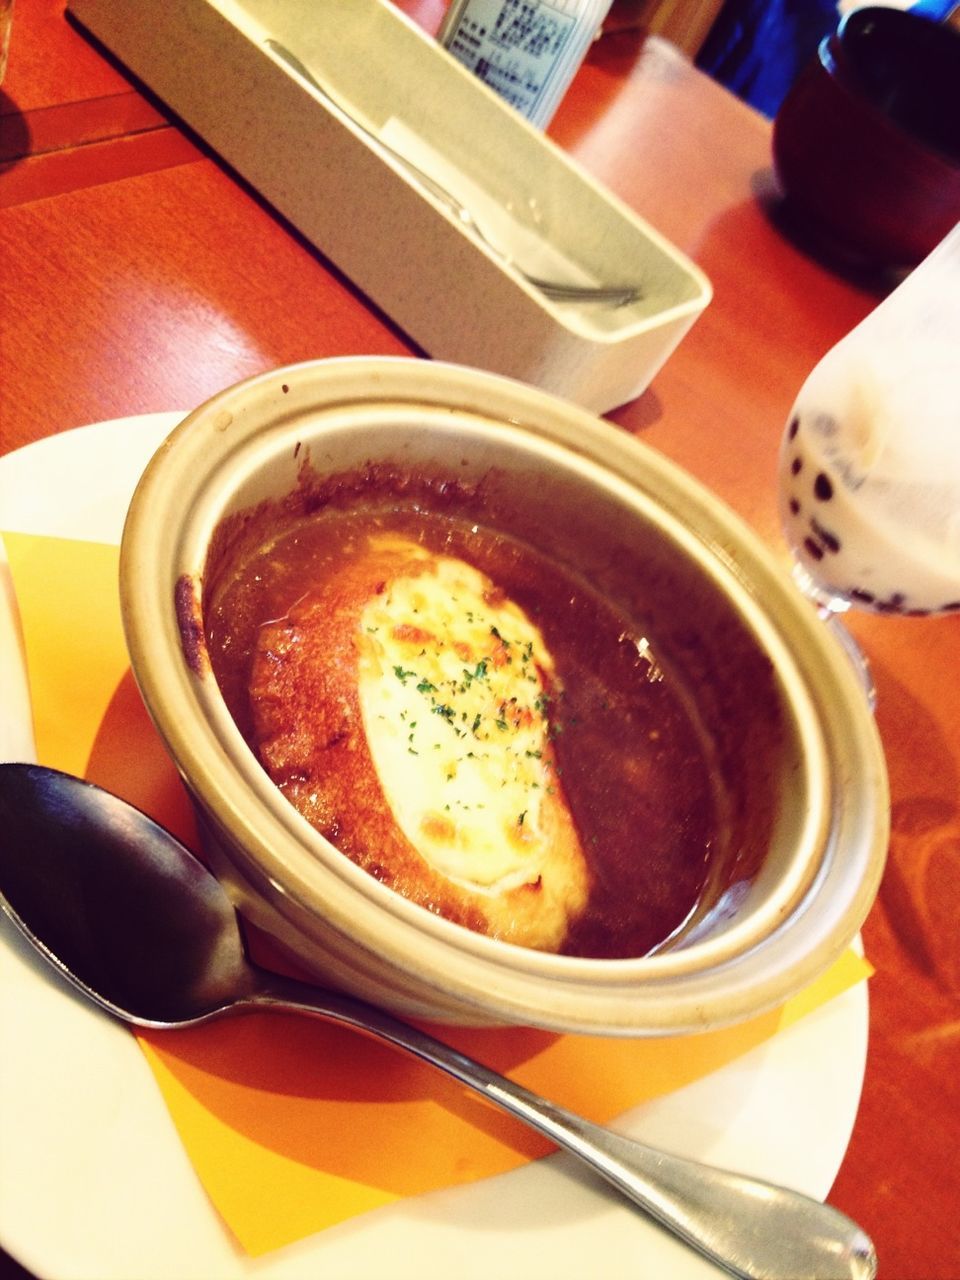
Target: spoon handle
(753,1229)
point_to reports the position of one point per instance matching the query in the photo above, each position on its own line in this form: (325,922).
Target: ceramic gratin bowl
(780,738)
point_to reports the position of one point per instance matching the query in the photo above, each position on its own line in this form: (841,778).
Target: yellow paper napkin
(331,1123)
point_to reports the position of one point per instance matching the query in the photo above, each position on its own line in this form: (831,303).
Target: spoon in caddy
(130,917)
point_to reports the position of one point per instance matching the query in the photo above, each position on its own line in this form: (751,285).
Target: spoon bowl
(116,903)
(128,915)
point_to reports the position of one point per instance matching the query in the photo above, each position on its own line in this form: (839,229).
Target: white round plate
(95,1184)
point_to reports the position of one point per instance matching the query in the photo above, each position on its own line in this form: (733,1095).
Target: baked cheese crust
(402,707)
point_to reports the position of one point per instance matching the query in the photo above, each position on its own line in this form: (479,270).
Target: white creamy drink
(870,463)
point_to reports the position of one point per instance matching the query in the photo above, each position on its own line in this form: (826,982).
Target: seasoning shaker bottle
(528,51)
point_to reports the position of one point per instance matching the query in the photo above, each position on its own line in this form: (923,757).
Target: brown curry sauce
(635,762)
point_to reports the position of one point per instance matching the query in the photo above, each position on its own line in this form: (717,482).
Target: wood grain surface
(138,274)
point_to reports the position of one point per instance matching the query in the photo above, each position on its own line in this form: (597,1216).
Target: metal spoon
(612,295)
(124,912)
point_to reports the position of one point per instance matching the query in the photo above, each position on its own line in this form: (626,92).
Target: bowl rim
(655,994)
(842,72)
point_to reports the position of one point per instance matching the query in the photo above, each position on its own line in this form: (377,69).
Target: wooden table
(137,274)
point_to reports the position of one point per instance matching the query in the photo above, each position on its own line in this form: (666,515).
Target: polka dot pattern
(808,506)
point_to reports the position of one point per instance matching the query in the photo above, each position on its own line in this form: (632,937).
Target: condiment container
(527,51)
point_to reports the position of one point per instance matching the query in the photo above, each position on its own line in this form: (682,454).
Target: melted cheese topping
(401,706)
(454,711)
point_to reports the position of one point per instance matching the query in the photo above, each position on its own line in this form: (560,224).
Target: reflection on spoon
(123,911)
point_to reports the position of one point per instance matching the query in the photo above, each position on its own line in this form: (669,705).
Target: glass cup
(870,461)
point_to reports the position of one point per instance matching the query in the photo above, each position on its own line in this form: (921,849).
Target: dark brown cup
(866,145)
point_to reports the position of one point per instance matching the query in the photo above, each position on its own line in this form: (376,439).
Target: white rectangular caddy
(453,296)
